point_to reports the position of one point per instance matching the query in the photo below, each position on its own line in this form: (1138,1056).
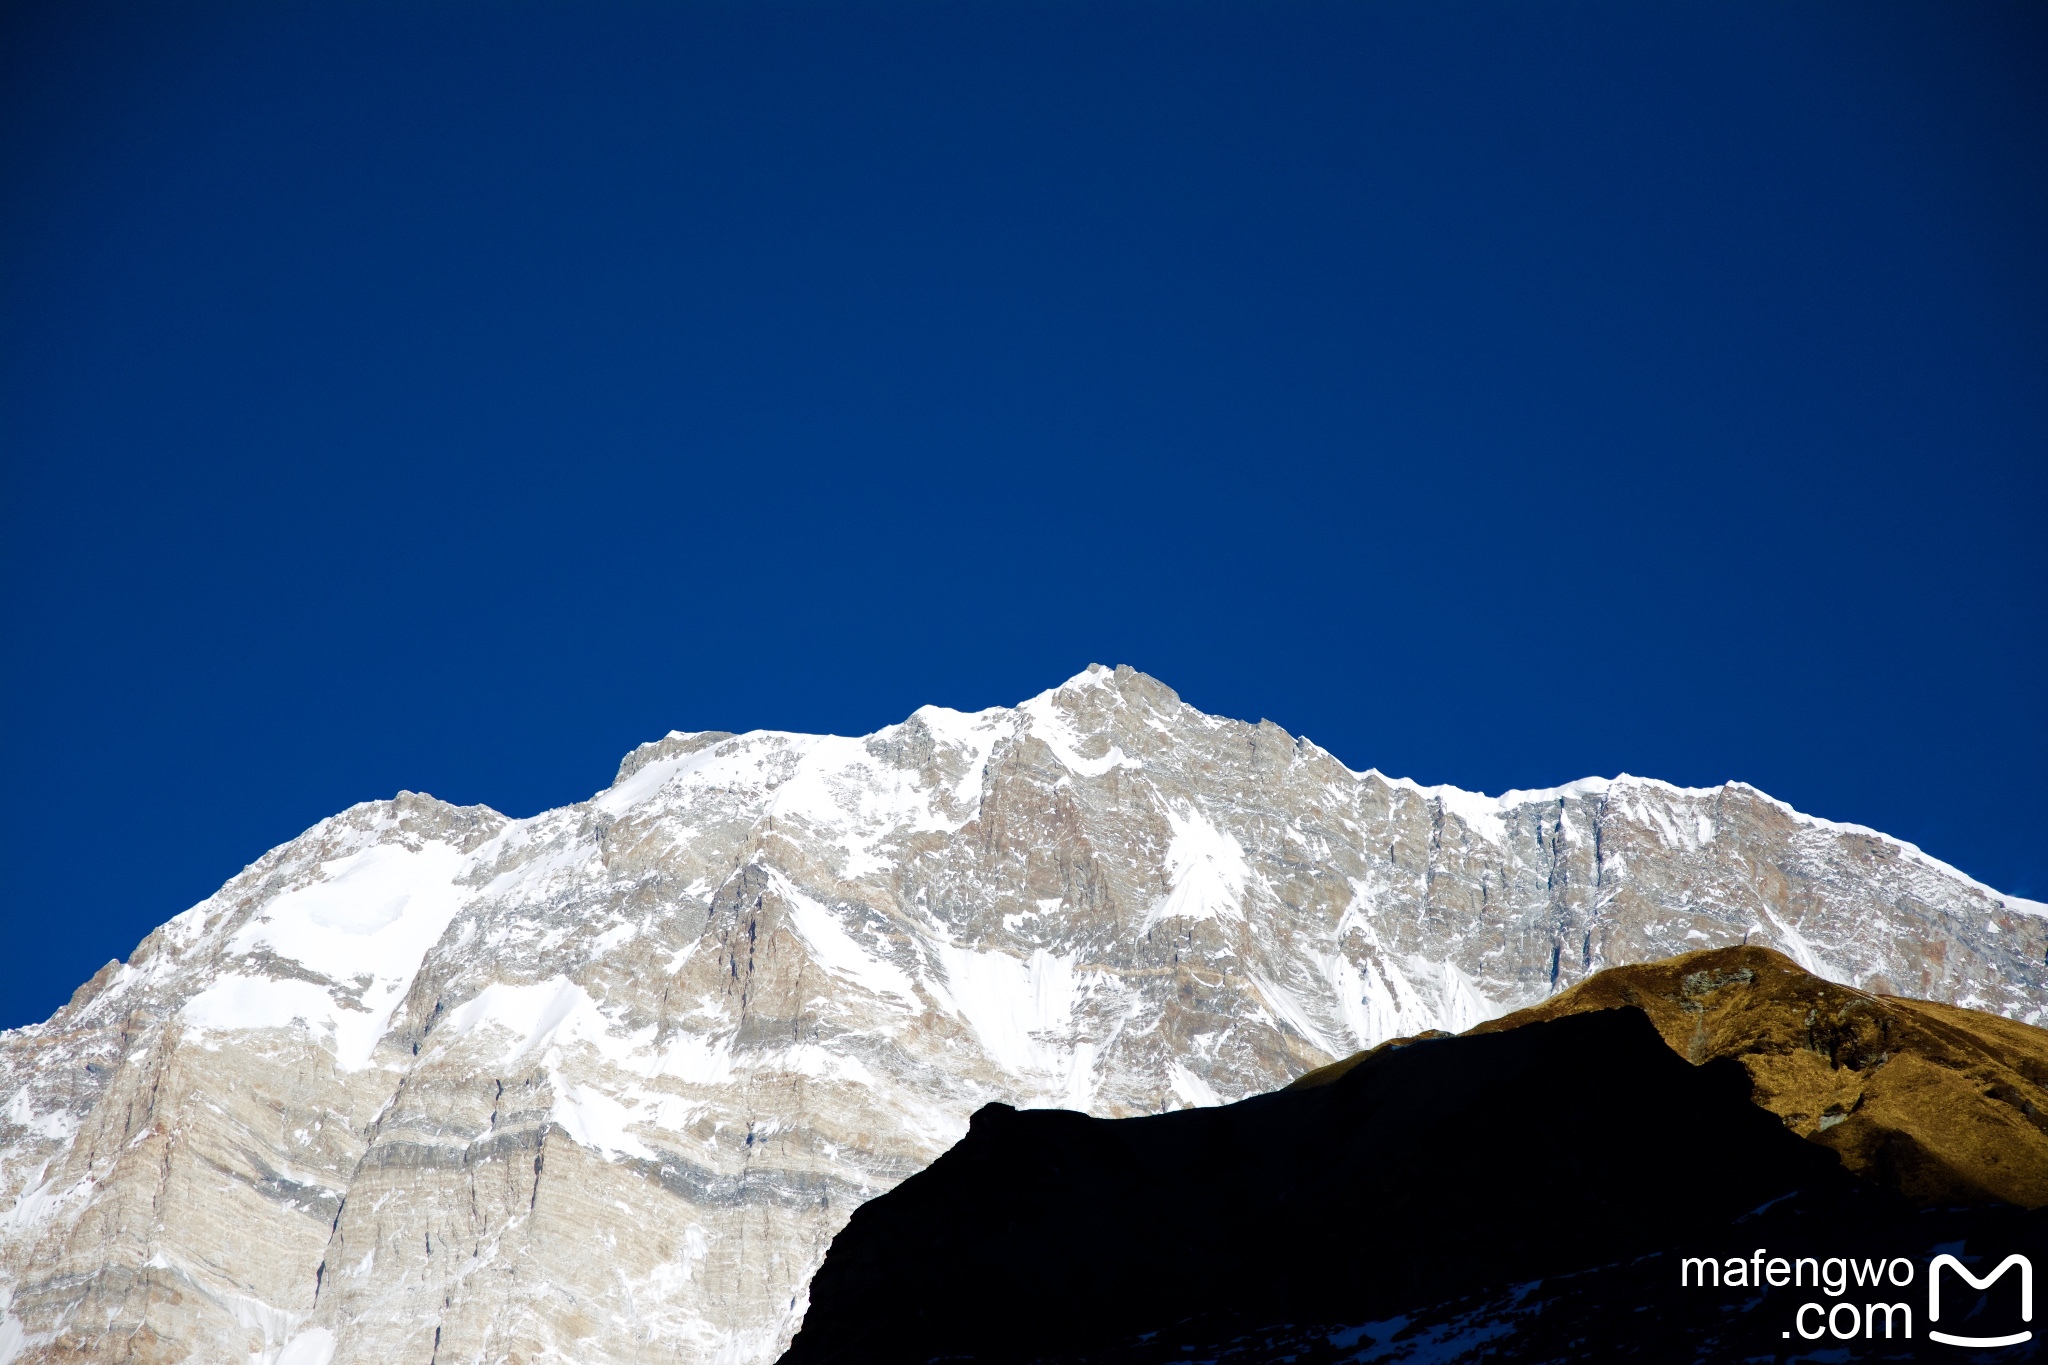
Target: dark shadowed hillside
(1423,1173)
(1523,1192)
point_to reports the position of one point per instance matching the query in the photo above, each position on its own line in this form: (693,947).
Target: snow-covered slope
(431,1083)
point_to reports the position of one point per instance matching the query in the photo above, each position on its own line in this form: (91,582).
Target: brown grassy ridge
(1941,1103)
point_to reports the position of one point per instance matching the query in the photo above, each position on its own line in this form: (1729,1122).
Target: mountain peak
(762,977)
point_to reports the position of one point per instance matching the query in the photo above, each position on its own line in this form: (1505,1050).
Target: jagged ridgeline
(431,1083)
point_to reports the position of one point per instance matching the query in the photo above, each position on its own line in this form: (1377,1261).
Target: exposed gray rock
(429,1083)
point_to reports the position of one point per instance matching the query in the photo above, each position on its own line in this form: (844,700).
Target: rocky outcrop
(1944,1105)
(602,1084)
(1938,1103)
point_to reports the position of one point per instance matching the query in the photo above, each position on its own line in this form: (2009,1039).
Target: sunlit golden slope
(1939,1102)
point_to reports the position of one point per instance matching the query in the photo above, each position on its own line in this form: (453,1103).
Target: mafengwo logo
(1880,1311)
(2012,1262)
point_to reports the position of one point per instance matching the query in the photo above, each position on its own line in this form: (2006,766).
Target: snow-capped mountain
(600,1085)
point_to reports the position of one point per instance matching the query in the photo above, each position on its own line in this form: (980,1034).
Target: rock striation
(600,1085)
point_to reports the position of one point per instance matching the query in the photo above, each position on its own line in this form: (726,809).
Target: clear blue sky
(449,396)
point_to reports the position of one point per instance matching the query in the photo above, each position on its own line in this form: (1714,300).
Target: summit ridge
(602,1083)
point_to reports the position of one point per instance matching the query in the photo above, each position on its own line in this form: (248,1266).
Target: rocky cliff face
(430,1083)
